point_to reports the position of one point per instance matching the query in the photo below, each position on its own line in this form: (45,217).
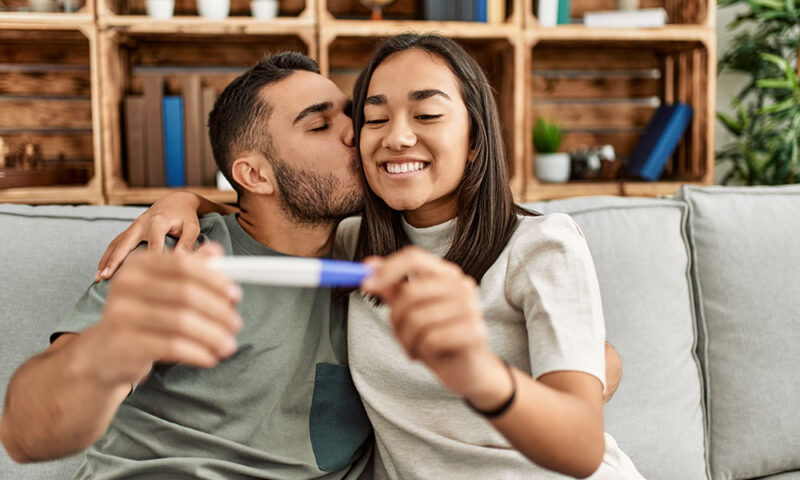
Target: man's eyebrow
(376,100)
(316,108)
(418,95)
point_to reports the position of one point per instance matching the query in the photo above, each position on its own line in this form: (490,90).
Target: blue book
(173,142)
(564,17)
(659,141)
(481,11)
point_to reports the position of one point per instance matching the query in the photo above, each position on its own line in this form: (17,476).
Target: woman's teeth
(404,167)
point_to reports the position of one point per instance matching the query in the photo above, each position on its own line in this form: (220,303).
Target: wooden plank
(64,48)
(209,164)
(595,87)
(624,142)
(345,79)
(45,83)
(20,113)
(578,57)
(54,146)
(189,7)
(581,115)
(211,50)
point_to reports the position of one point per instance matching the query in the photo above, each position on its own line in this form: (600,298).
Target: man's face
(313,157)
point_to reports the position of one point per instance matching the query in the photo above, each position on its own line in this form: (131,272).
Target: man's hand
(163,308)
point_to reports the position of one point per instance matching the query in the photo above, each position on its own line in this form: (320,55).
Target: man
(279,402)
(282,405)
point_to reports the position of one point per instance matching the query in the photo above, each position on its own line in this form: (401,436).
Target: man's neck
(274,228)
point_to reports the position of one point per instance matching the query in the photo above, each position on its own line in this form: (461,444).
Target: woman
(454,375)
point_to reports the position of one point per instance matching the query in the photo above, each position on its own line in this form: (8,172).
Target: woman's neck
(433,213)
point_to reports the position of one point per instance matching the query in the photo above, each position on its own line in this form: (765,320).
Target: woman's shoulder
(547,227)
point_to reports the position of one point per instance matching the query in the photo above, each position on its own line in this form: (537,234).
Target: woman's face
(415,138)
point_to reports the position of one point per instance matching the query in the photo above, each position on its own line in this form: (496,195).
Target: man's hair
(238,122)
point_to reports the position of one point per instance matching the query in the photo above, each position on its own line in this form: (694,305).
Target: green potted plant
(551,166)
(766,125)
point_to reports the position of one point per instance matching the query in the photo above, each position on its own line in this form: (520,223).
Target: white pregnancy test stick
(291,271)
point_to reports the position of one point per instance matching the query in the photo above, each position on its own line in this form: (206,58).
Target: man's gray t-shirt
(283,407)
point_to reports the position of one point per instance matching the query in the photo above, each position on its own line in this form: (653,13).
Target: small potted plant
(551,166)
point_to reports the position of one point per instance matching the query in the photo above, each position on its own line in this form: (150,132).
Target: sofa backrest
(48,257)
(746,243)
(642,257)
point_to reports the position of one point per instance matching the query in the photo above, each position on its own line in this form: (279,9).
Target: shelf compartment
(49,113)
(679,12)
(342,58)
(108,11)
(129,58)
(605,92)
(82,11)
(404,11)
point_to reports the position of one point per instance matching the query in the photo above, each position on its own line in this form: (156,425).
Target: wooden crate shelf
(217,57)
(49,99)
(605,92)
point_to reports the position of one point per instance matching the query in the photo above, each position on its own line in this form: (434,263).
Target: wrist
(494,387)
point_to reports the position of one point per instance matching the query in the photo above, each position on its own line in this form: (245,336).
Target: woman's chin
(404,204)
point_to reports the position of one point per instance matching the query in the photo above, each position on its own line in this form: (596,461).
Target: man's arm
(160,308)
(55,405)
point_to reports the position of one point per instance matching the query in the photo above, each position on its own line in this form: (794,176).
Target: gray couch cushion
(748,267)
(50,256)
(783,476)
(642,259)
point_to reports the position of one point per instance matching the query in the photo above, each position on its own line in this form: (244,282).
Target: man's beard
(313,198)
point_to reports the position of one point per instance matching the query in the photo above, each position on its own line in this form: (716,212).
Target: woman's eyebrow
(376,100)
(418,95)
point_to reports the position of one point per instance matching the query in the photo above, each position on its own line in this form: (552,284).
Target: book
(496,11)
(480,11)
(135,141)
(564,15)
(547,13)
(660,139)
(173,142)
(209,164)
(438,10)
(466,10)
(646,18)
(194,136)
(153,120)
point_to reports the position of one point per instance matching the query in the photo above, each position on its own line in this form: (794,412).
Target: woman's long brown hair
(487,214)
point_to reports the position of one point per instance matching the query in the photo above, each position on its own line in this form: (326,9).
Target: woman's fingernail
(106,272)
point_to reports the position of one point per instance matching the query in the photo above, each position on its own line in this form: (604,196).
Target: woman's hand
(436,317)
(175,215)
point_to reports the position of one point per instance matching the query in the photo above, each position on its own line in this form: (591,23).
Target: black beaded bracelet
(506,405)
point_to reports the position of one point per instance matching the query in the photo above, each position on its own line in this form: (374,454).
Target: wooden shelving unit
(49,97)
(601,84)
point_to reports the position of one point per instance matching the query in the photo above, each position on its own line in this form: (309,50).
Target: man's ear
(254,173)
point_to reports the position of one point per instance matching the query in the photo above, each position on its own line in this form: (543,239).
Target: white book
(645,18)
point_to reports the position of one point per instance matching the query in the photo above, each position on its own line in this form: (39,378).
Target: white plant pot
(552,167)
(547,13)
(160,9)
(264,9)
(42,5)
(214,9)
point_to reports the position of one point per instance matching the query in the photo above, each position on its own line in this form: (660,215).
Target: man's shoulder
(344,246)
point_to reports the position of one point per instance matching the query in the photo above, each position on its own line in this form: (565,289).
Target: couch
(701,296)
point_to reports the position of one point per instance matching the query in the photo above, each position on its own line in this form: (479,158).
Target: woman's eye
(376,121)
(428,117)
(319,129)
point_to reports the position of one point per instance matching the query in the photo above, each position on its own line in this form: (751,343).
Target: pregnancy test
(291,272)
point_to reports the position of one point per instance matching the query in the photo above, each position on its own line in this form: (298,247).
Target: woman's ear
(254,173)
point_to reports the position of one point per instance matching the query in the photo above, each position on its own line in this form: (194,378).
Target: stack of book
(486,11)
(167,142)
